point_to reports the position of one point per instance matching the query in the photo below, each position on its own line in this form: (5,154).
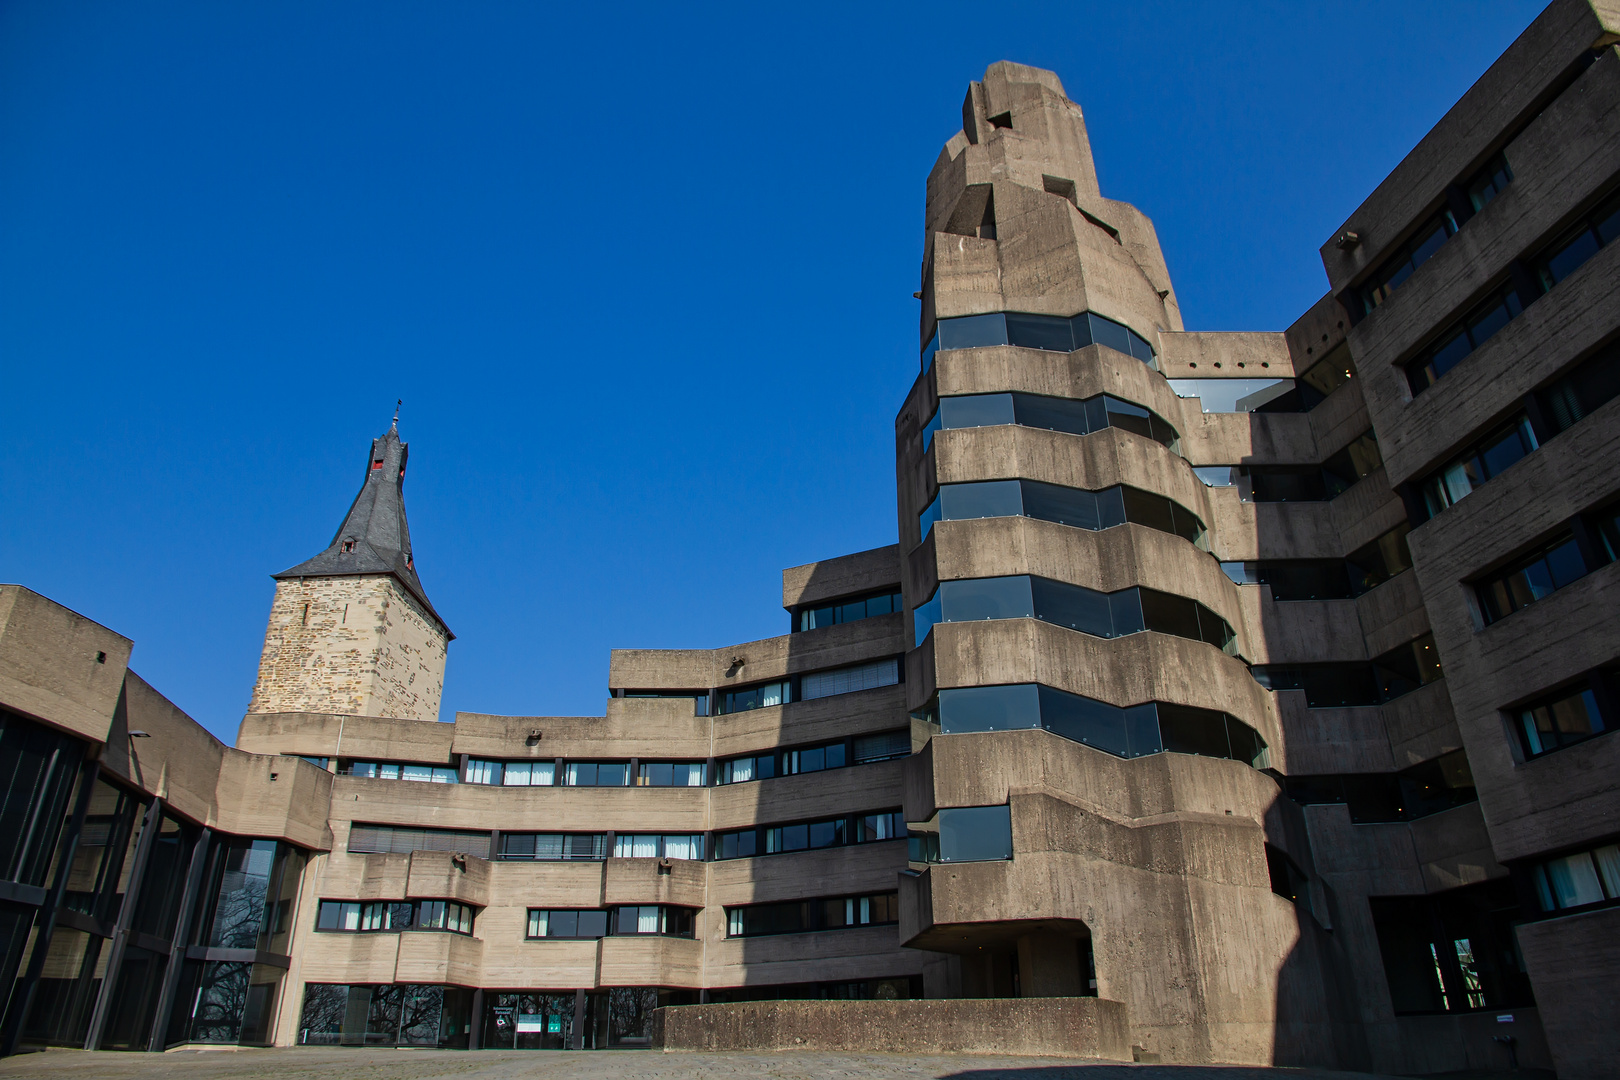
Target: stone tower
(351,630)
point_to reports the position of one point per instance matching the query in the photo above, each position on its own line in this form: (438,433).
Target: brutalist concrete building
(1228,697)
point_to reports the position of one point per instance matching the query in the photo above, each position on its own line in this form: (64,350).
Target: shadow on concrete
(1156,1072)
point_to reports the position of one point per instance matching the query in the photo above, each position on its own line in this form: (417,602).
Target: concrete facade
(1176,726)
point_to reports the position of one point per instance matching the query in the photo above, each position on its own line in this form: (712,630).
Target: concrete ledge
(1060,1027)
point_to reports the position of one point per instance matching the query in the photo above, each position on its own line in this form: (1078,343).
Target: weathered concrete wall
(1067,1027)
(359,646)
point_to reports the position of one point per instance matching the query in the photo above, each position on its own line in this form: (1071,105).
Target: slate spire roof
(374,538)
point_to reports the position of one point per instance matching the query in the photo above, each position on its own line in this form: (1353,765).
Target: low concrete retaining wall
(1055,1027)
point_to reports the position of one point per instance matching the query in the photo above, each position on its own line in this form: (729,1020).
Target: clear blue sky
(641,273)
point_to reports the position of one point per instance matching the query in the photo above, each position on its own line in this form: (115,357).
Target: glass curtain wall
(97,875)
(400,1014)
(228,993)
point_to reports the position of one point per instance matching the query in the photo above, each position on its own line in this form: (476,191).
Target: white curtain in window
(1608,860)
(537,923)
(822,684)
(647,920)
(483,772)
(529,773)
(1574,880)
(683,847)
(635,847)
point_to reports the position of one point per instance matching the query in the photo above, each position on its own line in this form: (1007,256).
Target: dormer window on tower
(348,547)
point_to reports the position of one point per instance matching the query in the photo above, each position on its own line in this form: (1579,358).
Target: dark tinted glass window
(1571,716)
(986,598)
(1058,414)
(1169,614)
(562,924)
(1566,255)
(1452,952)
(1331,372)
(1068,506)
(1531,579)
(1187,730)
(1050,332)
(736,845)
(1070,415)
(1326,686)
(1093,510)
(1376,562)
(883,746)
(989,708)
(1321,579)
(1072,606)
(789,918)
(788,838)
(1414,253)
(1488,183)
(844,611)
(1281,483)
(1407,667)
(1486,459)
(973,331)
(1094,723)
(1099,614)
(38,767)
(1463,338)
(1126,732)
(1040,332)
(1360,457)
(1592,384)
(993,498)
(1426,788)
(1584,879)
(977,410)
(975,834)
(756,697)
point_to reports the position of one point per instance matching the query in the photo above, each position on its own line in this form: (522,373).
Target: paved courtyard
(601,1065)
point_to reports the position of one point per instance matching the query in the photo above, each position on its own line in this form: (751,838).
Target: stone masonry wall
(359,646)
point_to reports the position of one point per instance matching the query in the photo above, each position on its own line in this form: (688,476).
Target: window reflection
(1068,415)
(1049,332)
(1076,508)
(1107,615)
(1129,731)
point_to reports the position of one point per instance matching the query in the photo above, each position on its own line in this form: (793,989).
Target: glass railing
(1053,333)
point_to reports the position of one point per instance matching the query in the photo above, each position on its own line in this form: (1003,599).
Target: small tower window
(348,547)
(377,464)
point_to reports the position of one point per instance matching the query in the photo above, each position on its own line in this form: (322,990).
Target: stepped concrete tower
(351,630)
(1082,659)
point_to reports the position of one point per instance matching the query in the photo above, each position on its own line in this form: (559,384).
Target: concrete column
(151,825)
(475,1027)
(177,948)
(577,1039)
